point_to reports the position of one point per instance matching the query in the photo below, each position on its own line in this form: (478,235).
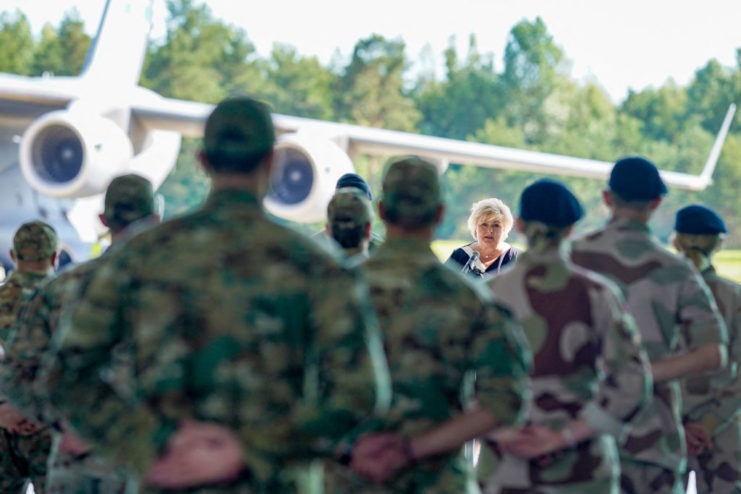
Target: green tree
(62,51)
(16,43)
(371,88)
(533,69)
(202,58)
(471,93)
(298,85)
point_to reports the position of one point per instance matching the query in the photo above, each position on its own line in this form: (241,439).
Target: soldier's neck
(631,214)
(34,266)
(424,234)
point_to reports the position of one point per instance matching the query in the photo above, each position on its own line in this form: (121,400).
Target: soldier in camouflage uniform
(440,329)
(590,375)
(679,323)
(24,450)
(349,218)
(712,403)
(129,199)
(229,322)
(353,181)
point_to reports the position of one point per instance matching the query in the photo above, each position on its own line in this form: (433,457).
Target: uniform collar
(623,224)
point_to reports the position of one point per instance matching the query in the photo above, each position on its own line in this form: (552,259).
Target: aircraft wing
(188,119)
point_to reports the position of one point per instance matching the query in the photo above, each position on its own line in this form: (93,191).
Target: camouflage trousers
(642,478)
(590,467)
(23,459)
(445,476)
(719,471)
(86,474)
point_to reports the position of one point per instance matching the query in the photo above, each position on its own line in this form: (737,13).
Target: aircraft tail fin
(709,168)
(117,52)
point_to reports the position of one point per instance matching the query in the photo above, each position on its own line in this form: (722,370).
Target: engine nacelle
(73,154)
(305,174)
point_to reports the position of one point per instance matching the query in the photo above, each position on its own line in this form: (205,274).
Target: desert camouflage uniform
(22,458)
(588,364)
(439,329)
(222,316)
(674,312)
(715,400)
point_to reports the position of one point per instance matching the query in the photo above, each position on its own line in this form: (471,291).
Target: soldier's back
(440,328)
(237,320)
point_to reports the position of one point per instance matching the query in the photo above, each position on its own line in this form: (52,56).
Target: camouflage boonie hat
(411,191)
(349,207)
(128,198)
(34,241)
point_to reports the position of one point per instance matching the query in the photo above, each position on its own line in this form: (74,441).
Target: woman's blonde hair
(490,207)
(699,248)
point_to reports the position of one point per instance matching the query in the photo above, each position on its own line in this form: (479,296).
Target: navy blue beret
(550,202)
(356,181)
(698,220)
(636,179)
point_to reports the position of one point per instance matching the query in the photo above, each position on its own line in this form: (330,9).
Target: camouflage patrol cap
(128,198)
(698,220)
(550,202)
(238,134)
(349,207)
(34,241)
(636,179)
(411,191)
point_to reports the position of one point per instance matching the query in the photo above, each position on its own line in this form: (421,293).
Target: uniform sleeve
(502,360)
(724,402)
(700,322)
(347,379)
(78,380)
(626,385)
(26,347)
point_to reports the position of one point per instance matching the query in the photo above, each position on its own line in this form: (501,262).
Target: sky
(626,44)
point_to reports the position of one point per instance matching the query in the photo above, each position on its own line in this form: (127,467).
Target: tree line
(532,102)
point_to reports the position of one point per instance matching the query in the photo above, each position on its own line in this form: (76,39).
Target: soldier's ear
(518,225)
(655,203)
(54,259)
(382,210)
(102,219)
(439,213)
(607,197)
(12,256)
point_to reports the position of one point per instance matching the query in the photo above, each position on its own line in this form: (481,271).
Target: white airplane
(62,139)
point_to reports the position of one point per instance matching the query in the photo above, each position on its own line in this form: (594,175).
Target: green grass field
(728,262)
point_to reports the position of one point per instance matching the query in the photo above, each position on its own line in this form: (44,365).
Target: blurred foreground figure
(679,323)
(239,349)
(441,331)
(590,375)
(712,403)
(24,444)
(129,208)
(349,219)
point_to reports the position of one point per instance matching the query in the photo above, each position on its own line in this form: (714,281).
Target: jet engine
(305,173)
(73,154)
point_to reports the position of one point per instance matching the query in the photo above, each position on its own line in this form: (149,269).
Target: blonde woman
(489,223)
(712,403)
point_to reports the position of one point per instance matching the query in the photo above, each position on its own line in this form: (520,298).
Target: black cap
(550,202)
(636,179)
(698,220)
(356,181)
